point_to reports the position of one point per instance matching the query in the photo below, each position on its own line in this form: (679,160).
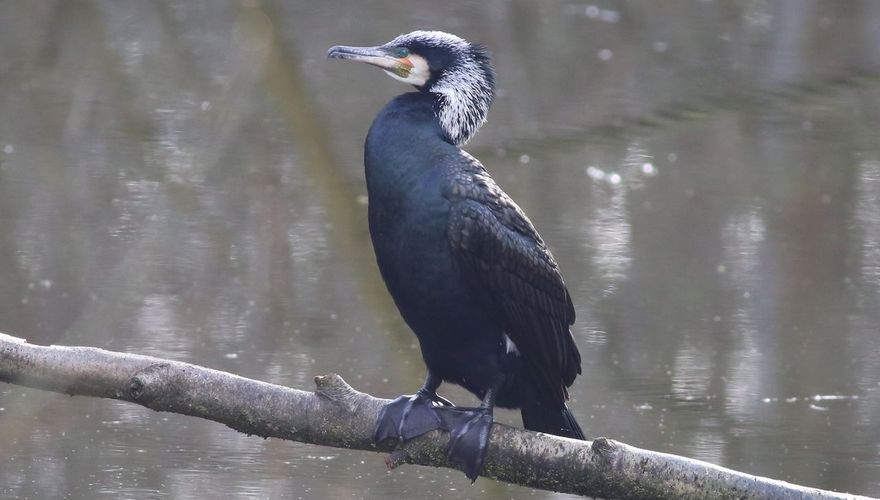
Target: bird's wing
(513,272)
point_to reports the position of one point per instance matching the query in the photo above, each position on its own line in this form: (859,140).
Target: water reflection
(186,182)
(867,208)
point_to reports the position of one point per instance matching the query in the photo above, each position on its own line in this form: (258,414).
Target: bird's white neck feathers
(464,101)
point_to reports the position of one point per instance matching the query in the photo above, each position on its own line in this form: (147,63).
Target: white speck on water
(605,55)
(721,269)
(614,178)
(594,12)
(595,173)
(671,157)
(205,106)
(231,355)
(643,407)
(648,169)
(333,316)
(790,400)
(818,408)
(716,318)
(524,159)
(8,149)
(47,284)
(660,46)
(832,397)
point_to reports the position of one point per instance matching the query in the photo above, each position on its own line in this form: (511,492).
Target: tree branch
(337,415)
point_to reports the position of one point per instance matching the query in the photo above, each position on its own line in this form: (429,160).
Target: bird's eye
(401,52)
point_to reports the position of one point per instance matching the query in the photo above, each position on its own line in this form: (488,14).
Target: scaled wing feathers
(514,273)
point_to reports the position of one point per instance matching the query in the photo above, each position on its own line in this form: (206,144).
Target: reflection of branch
(294,102)
(339,416)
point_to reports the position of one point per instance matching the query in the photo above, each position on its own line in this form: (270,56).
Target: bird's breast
(408,228)
(408,222)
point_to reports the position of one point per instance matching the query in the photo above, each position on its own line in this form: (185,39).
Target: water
(186,182)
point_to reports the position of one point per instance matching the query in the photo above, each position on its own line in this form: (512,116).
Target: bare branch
(337,415)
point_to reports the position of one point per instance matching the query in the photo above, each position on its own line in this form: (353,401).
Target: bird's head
(459,72)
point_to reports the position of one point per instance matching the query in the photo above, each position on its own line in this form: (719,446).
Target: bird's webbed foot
(409,416)
(470,429)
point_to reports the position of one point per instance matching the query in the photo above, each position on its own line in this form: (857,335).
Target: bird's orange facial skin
(403,67)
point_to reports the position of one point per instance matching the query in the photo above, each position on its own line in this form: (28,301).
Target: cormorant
(466,268)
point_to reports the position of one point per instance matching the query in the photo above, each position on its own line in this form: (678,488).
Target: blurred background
(184,179)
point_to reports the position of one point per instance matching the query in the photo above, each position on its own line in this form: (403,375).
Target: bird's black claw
(442,401)
(405,418)
(470,429)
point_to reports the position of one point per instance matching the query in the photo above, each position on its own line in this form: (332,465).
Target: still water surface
(184,180)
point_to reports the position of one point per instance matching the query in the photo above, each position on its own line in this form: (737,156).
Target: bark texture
(337,415)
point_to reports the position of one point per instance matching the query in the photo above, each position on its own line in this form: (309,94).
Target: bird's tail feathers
(542,417)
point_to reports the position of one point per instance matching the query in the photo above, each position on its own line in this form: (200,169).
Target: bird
(465,266)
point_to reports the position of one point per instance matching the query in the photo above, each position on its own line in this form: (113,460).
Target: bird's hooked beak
(377,56)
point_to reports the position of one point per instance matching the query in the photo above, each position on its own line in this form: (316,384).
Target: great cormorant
(468,271)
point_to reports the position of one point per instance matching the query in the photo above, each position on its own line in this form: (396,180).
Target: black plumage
(465,266)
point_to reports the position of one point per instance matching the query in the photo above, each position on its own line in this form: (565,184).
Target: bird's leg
(470,429)
(410,416)
(429,390)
